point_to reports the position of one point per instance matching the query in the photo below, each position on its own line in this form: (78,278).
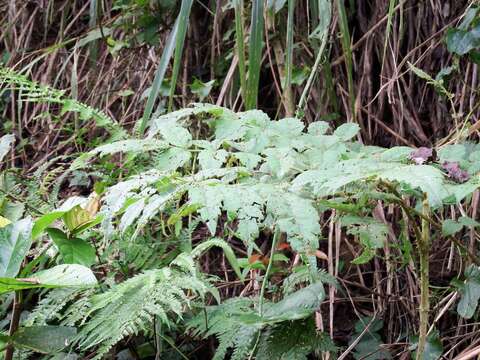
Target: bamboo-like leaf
(391,9)
(159,76)
(93,21)
(289,59)
(347,51)
(240,46)
(254,54)
(180,39)
(321,32)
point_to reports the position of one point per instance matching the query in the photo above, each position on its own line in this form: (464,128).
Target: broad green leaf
(347,131)
(468,222)
(11,284)
(318,128)
(132,212)
(15,241)
(428,178)
(397,153)
(450,227)
(433,347)
(372,235)
(13,211)
(130,146)
(73,251)
(461,42)
(297,305)
(66,275)
(58,276)
(172,159)
(44,339)
(174,133)
(470,292)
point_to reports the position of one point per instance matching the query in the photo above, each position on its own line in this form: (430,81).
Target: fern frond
(34,92)
(237,326)
(130,307)
(294,341)
(50,307)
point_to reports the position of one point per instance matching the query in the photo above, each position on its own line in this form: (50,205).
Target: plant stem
(267,272)
(17,309)
(264,285)
(411,213)
(423,247)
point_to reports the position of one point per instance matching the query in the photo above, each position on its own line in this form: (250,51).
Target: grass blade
(240,46)
(345,40)
(288,95)
(255,54)
(180,39)
(159,76)
(321,33)
(92,22)
(391,9)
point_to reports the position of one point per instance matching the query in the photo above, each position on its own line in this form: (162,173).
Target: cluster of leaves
(465,39)
(245,177)
(141,20)
(284,330)
(33,92)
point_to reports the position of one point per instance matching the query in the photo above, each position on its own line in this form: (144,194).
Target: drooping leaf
(57,276)
(44,339)
(297,305)
(450,227)
(227,250)
(461,42)
(15,241)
